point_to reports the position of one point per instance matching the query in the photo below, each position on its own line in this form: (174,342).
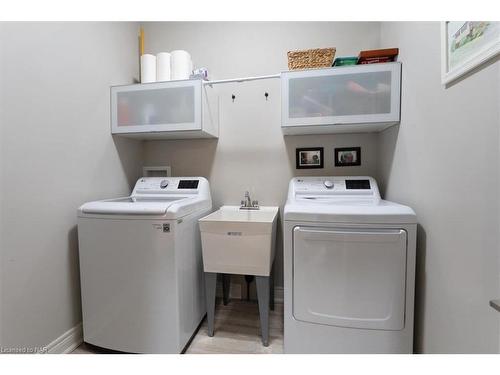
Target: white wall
(56,153)
(251,153)
(444,162)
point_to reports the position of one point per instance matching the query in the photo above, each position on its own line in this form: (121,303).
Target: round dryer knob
(328,184)
(163,184)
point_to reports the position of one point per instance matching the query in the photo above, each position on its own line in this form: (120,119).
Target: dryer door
(350,277)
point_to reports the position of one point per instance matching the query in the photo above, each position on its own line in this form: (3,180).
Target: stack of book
(342,61)
(378,56)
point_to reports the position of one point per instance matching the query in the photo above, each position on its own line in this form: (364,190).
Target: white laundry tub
(239,241)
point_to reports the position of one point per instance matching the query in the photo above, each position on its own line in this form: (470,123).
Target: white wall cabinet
(165,110)
(348,99)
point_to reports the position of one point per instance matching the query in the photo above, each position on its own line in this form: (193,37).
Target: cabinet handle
(495,303)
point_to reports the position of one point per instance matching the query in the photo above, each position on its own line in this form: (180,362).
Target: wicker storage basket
(311,58)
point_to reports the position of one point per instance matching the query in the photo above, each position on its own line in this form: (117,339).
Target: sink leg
(271,292)
(210,286)
(262,283)
(226,286)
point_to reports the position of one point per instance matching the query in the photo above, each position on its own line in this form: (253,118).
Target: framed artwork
(347,156)
(309,158)
(465,45)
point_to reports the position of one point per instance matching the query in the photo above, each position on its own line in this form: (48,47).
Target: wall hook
(233,97)
(266,95)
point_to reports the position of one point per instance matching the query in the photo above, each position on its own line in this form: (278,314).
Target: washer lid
(131,206)
(168,197)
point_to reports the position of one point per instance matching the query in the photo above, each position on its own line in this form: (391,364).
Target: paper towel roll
(163,66)
(180,64)
(148,68)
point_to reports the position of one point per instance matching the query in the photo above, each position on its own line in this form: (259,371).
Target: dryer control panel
(334,186)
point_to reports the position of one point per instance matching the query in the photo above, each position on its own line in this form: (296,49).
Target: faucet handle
(242,202)
(255,203)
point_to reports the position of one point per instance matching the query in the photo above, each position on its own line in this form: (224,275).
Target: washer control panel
(159,185)
(188,184)
(329,184)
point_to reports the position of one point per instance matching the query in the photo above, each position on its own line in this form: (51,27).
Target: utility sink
(238,241)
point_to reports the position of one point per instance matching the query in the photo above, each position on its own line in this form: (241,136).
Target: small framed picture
(347,156)
(308,158)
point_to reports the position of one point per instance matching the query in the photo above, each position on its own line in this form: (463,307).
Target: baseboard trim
(67,342)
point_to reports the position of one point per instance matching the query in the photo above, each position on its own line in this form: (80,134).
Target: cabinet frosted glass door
(156,107)
(343,95)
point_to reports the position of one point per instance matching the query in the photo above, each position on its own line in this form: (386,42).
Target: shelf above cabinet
(349,99)
(165,110)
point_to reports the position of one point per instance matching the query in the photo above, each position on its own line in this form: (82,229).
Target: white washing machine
(141,268)
(349,268)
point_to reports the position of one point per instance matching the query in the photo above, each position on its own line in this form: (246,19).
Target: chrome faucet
(248,204)
(248,201)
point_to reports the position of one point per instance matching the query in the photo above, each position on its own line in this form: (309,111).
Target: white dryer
(141,269)
(349,271)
